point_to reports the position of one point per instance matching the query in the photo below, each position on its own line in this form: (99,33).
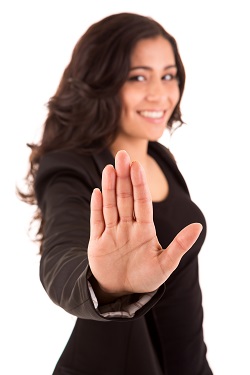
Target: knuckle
(111,224)
(143,200)
(124,195)
(126,219)
(109,205)
(139,184)
(180,242)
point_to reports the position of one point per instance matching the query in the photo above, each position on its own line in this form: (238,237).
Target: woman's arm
(64,185)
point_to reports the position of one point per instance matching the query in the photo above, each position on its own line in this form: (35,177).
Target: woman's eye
(170,77)
(137,78)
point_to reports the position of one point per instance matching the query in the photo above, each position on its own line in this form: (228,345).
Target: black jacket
(99,345)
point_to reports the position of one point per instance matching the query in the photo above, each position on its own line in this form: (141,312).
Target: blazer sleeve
(63,186)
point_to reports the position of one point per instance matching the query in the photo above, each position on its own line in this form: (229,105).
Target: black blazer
(98,345)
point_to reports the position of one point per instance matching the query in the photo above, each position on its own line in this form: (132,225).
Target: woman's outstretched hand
(124,253)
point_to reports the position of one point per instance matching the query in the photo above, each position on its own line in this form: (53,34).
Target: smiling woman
(120,239)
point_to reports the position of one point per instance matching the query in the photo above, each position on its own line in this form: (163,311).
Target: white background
(212,151)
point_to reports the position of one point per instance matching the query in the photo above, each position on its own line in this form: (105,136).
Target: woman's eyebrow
(149,68)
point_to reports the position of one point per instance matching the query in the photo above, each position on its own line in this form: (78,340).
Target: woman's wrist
(103,297)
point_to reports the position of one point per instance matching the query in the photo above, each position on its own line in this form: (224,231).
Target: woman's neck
(137,149)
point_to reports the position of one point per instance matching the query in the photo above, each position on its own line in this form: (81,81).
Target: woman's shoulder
(60,159)
(71,163)
(62,162)
(73,160)
(161,150)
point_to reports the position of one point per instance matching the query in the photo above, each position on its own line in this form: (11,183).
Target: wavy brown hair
(84,114)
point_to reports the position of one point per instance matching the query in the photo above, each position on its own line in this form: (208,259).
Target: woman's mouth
(152,114)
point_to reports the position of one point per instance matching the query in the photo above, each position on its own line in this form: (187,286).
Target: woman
(126,267)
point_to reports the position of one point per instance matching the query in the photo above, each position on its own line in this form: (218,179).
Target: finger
(143,208)
(124,190)
(110,212)
(170,258)
(96,215)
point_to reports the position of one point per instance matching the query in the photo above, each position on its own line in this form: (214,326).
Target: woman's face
(151,92)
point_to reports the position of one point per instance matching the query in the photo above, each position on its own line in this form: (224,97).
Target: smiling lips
(152,114)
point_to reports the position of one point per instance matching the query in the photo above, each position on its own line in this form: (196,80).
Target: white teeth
(152,114)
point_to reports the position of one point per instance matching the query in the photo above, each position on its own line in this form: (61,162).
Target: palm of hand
(124,253)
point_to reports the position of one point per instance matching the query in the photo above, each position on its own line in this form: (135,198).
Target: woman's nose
(156,91)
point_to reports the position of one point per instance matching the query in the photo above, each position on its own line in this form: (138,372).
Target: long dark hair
(84,114)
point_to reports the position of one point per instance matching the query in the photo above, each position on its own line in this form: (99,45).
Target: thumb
(179,246)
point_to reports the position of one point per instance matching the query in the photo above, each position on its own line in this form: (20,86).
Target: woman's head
(85,111)
(150,94)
